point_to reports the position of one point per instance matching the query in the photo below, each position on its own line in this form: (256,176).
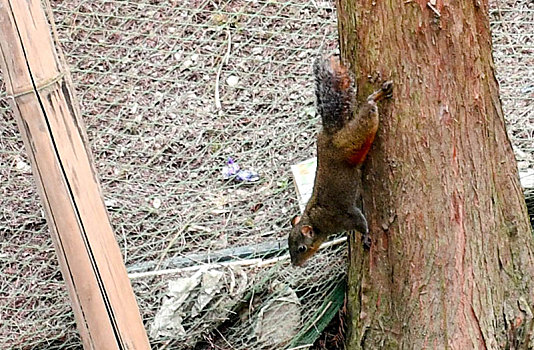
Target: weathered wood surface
(41,96)
(452,260)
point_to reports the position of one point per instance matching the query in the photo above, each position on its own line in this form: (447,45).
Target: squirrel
(342,145)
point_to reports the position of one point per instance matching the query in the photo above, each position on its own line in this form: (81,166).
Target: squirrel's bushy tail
(334,91)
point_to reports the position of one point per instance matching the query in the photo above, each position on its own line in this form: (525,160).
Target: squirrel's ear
(295,220)
(307,230)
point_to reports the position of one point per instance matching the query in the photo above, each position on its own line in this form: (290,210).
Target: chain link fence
(169,91)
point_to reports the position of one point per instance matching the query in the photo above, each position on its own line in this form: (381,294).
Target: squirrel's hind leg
(354,140)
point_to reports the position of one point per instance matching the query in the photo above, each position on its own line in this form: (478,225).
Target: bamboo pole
(42,98)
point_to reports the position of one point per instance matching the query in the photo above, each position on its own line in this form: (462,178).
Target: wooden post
(42,98)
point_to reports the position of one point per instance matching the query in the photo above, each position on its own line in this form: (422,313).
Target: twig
(171,243)
(193,268)
(320,315)
(166,344)
(433,8)
(323,40)
(218,78)
(247,262)
(223,338)
(305,346)
(212,257)
(125,257)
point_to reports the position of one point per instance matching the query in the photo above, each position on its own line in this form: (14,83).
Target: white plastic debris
(186,64)
(23,167)
(527,178)
(156,203)
(168,320)
(232,80)
(203,298)
(211,285)
(304,177)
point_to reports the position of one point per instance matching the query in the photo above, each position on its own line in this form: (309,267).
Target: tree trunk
(451,264)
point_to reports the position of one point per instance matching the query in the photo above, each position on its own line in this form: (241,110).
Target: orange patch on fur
(358,157)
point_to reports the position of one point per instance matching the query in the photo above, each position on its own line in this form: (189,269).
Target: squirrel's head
(303,240)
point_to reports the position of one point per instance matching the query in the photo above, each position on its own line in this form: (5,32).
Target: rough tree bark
(451,265)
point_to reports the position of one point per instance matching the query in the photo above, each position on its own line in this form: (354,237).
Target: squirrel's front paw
(366,241)
(387,88)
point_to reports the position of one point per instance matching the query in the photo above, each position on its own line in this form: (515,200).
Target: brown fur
(342,145)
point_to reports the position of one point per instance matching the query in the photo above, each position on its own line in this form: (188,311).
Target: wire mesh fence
(170,90)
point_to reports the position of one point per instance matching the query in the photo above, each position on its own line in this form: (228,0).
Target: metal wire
(146,74)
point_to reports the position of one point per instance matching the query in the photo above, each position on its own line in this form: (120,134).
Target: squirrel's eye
(302,249)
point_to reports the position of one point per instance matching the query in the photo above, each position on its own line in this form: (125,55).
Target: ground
(148,75)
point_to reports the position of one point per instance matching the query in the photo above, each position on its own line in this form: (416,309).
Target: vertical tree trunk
(451,265)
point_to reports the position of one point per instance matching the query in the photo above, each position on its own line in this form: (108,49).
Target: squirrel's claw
(366,241)
(387,88)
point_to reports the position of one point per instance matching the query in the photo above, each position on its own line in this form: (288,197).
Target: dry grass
(146,74)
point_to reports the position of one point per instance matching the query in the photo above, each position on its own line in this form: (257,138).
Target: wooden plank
(47,115)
